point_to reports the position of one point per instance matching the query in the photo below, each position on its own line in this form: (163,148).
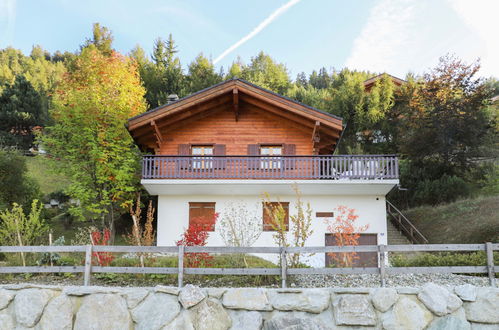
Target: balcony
(348,167)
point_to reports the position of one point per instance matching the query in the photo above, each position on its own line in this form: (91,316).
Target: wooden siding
(252,127)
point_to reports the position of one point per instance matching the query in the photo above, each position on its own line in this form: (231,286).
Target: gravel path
(371,280)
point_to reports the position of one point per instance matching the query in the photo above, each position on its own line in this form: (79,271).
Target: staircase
(395,236)
(400,229)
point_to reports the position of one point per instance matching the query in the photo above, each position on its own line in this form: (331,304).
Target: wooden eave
(149,127)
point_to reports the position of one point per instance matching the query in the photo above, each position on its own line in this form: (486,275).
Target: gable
(150,129)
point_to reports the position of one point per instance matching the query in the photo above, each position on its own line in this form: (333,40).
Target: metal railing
(283,271)
(271,167)
(405,225)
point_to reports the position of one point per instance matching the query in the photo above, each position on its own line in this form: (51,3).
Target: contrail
(278,12)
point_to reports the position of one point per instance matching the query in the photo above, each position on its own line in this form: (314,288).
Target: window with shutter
(267,217)
(202,213)
(289,150)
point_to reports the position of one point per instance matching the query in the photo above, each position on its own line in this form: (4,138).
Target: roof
(369,82)
(170,105)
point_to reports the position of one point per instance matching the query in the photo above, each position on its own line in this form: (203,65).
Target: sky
(393,36)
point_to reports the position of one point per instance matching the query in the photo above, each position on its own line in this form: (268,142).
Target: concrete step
(394,236)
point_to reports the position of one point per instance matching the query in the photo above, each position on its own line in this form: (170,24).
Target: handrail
(382,270)
(407,223)
(307,167)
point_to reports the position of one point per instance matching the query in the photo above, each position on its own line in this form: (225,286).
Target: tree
(102,39)
(346,233)
(265,72)
(238,227)
(300,229)
(21,109)
(446,110)
(201,74)
(18,229)
(163,76)
(17,187)
(89,137)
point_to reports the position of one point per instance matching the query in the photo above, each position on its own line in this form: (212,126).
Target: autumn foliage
(102,238)
(346,233)
(196,235)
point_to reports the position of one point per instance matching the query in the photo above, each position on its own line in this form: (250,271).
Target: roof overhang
(234,94)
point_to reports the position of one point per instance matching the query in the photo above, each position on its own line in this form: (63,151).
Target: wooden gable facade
(236,118)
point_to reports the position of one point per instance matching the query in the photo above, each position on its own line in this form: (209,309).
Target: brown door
(364,259)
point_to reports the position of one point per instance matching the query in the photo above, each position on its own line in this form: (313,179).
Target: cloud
(388,32)
(7,21)
(481,17)
(278,12)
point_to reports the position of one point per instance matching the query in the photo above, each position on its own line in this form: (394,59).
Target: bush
(446,189)
(440,259)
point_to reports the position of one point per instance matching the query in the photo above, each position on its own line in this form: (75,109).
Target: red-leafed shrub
(196,235)
(102,238)
(346,232)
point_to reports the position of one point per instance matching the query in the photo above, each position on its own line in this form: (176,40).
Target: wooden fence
(283,271)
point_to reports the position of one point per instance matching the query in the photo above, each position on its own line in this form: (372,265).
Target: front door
(364,259)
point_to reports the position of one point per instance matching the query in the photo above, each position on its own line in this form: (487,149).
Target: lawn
(465,221)
(40,170)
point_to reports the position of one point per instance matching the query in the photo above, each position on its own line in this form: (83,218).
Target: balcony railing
(369,167)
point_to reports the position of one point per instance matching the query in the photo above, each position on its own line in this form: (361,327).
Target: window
(267,217)
(202,162)
(202,213)
(271,162)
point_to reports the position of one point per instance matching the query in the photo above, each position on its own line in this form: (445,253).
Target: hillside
(465,221)
(39,169)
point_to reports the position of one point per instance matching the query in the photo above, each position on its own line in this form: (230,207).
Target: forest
(443,124)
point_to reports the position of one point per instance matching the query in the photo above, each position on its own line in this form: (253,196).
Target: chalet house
(235,141)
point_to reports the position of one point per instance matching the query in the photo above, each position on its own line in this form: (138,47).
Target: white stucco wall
(173,217)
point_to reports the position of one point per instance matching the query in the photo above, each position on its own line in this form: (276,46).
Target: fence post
(180,266)
(284,266)
(490,264)
(88,265)
(382,270)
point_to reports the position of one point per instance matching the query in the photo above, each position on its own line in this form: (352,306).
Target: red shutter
(254,150)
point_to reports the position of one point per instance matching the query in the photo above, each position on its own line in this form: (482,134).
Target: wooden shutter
(202,213)
(184,150)
(267,218)
(219,150)
(254,150)
(289,150)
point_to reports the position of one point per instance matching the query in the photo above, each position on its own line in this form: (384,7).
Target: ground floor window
(267,216)
(202,213)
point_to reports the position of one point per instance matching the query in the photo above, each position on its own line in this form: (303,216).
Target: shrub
(196,235)
(102,238)
(445,189)
(439,259)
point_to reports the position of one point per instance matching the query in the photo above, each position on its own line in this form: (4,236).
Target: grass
(462,222)
(40,170)
(112,279)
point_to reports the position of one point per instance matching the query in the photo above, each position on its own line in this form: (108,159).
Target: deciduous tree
(89,138)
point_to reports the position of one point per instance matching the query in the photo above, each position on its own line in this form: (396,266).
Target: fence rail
(283,271)
(315,167)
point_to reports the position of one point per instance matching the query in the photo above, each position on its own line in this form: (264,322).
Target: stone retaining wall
(431,307)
